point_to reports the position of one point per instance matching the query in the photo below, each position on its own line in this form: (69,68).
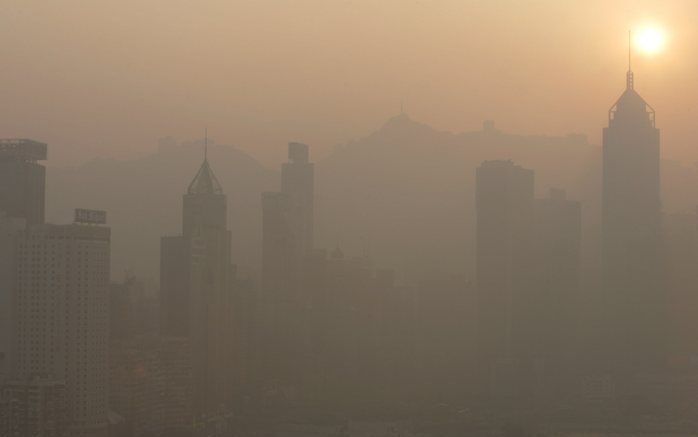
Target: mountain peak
(402,125)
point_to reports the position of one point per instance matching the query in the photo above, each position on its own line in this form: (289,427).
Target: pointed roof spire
(630,79)
(630,105)
(205,182)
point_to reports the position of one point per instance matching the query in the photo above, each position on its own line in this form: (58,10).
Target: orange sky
(109,78)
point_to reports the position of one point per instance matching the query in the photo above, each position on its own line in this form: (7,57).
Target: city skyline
(412,282)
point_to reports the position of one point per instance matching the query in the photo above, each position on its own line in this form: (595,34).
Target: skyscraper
(278,247)
(287,244)
(62,317)
(634,303)
(298,184)
(196,293)
(504,202)
(549,331)
(9,234)
(288,220)
(22,192)
(22,179)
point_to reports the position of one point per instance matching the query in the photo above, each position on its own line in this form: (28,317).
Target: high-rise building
(9,232)
(196,291)
(298,184)
(504,204)
(277,240)
(176,265)
(151,386)
(633,300)
(287,222)
(22,191)
(36,407)
(549,330)
(61,316)
(22,179)
(287,245)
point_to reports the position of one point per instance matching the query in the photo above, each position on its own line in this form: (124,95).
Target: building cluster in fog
(214,352)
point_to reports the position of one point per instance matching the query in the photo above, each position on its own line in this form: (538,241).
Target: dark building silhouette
(549,333)
(680,257)
(9,235)
(22,179)
(528,260)
(278,244)
(633,299)
(504,203)
(22,198)
(196,293)
(298,184)
(287,245)
(287,220)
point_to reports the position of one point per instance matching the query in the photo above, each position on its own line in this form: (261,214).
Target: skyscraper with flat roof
(287,221)
(61,314)
(22,179)
(548,335)
(504,204)
(9,233)
(298,184)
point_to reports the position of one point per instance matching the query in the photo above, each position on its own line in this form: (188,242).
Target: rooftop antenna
(630,49)
(630,80)
(206,144)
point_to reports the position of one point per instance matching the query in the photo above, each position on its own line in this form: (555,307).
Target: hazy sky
(108,77)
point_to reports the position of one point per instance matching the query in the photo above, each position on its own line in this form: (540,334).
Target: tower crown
(630,106)
(205,182)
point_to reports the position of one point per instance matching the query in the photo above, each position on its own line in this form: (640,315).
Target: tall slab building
(61,316)
(633,299)
(298,184)
(22,179)
(9,233)
(504,204)
(22,197)
(287,244)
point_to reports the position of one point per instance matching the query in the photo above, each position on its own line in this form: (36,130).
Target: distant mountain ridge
(143,199)
(414,187)
(403,195)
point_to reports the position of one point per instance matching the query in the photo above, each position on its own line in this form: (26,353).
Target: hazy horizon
(260,74)
(426,218)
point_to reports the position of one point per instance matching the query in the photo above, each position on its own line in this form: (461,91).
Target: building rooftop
(205,182)
(23,148)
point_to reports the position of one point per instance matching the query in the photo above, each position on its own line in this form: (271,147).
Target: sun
(650,40)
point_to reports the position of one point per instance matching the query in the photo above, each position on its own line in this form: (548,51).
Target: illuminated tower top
(631,109)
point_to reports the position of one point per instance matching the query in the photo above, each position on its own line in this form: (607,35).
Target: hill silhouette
(403,195)
(143,199)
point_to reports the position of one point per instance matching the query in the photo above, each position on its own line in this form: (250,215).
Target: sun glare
(650,40)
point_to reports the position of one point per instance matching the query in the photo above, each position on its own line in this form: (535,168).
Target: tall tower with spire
(196,283)
(631,230)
